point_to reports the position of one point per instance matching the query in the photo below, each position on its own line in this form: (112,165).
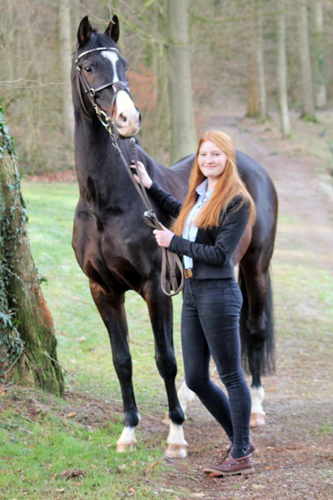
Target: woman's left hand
(163,236)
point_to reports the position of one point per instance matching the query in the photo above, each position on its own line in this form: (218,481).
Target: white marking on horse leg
(185,396)
(258,395)
(177,446)
(127,440)
(257,411)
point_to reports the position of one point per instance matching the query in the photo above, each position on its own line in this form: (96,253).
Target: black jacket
(213,248)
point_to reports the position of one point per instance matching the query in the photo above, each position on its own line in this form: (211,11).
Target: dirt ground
(296,454)
(295,459)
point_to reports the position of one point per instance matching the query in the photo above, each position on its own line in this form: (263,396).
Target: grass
(56,455)
(36,451)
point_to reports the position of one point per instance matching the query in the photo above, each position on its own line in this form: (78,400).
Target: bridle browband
(170,261)
(91,92)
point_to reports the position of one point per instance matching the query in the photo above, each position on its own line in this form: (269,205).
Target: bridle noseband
(91,92)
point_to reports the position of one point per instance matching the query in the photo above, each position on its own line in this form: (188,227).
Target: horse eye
(88,69)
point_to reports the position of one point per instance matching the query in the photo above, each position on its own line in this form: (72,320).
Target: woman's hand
(163,237)
(146,180)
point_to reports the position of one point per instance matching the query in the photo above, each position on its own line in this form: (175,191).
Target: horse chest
(116,249)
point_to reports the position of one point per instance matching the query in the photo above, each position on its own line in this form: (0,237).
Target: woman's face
(211,160)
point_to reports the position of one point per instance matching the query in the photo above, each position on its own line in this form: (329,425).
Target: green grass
(50,445)
(39,457)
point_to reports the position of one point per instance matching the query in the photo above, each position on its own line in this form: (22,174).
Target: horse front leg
(112,310)
(257,332)
(160,311)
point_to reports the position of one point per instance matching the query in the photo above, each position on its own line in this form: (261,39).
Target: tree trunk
(321,96)
(162,116)
(65,48)
(26,327)
(183,133)
(260,62)
(282,72)
(253,98)
(308,107)
(162,119)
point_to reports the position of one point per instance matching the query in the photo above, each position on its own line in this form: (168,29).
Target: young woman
(207,230)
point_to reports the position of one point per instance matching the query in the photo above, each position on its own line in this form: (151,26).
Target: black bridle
(91,92)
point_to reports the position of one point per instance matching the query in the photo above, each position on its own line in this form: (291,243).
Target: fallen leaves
(152,466)
(72,414)
(121,468)
(70,474)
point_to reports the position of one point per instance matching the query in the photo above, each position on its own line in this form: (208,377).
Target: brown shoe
(231,466)
(253,451)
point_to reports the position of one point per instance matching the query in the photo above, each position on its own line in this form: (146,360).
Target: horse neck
(98,160)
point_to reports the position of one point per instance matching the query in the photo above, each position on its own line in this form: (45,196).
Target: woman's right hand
(146,180)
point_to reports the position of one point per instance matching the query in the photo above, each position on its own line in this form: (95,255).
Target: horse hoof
(166,419)
(176,451)
(257,420)
(123,447)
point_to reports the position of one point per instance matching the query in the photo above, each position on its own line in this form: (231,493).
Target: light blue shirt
(190,230)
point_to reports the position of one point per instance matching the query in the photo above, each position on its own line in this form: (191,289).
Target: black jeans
(210,326)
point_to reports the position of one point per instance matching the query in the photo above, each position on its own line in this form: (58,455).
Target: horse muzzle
(126,117)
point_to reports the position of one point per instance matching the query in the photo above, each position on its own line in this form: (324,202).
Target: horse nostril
(123,118)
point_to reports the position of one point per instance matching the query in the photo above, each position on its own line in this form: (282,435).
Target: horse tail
(268,350)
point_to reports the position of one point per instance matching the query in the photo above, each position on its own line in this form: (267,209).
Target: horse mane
(98,39)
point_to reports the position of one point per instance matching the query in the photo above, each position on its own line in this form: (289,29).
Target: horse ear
(84,32)
(112,30)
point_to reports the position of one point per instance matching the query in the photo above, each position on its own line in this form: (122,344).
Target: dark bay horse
(118,252)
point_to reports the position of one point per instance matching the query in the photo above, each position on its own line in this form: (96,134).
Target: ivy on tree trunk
(27,338)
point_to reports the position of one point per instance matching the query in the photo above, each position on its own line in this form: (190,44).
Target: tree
(260,62)
(321,95)
(282,72)
(183,133)
(256,104)
(27,339)
(65,49)
(308,107)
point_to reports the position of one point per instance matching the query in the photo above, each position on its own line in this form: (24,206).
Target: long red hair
(228,186)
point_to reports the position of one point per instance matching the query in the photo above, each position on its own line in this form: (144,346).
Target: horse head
(102,90)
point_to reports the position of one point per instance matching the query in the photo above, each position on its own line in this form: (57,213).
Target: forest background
(252,65)
(242,55)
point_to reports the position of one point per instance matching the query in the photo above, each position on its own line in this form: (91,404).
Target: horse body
(118,252)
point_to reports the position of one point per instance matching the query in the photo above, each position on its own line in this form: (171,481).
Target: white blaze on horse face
(126,115)
(113,58)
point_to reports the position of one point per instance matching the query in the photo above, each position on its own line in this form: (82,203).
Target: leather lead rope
(170,261)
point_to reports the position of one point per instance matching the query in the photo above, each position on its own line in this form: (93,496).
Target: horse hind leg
(256,327)
(112,311)
(185,396)
(160,311)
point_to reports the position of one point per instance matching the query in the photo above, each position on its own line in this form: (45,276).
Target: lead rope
(170,260)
